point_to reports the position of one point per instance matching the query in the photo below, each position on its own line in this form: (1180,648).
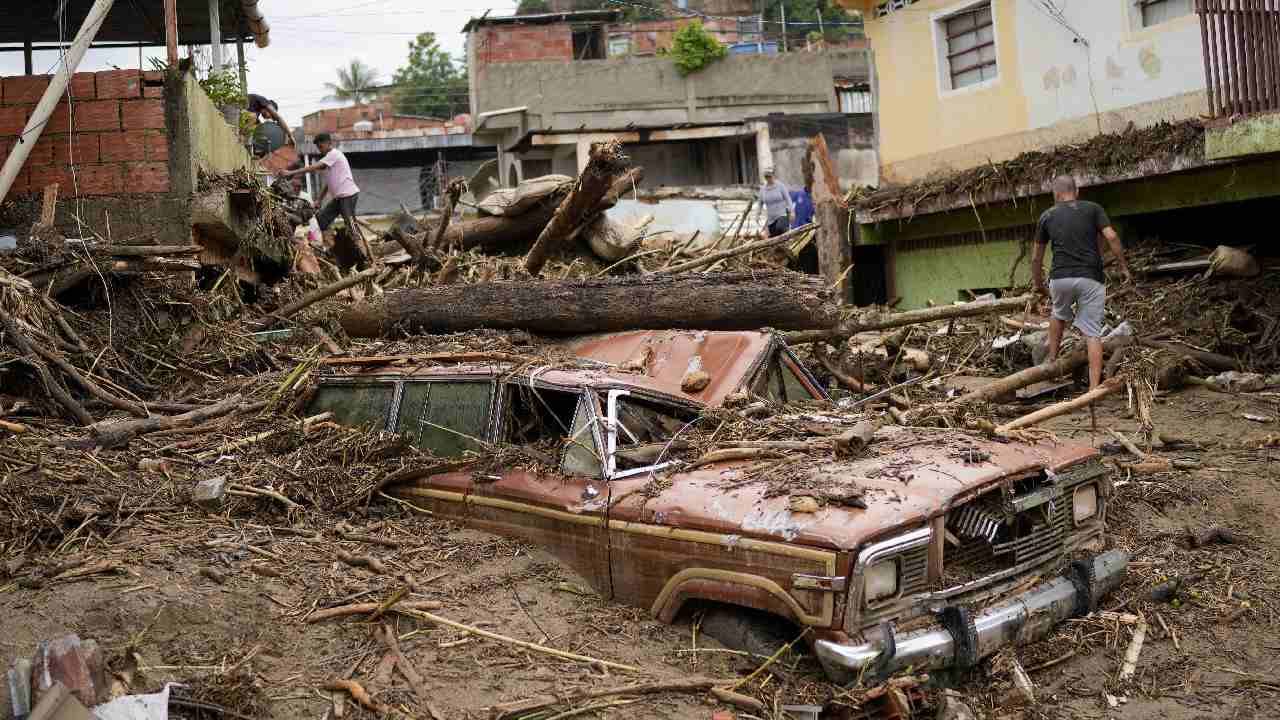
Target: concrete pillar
(584,154)
(764,151)
(215,34)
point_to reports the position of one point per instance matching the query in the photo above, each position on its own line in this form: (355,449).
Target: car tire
(747,630)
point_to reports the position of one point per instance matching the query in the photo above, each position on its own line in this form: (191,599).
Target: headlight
(881,581)
(1085,503)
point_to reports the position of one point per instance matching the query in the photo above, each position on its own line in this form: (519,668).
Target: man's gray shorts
(1089,298)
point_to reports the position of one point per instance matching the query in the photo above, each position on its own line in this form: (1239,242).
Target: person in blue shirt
(803,203)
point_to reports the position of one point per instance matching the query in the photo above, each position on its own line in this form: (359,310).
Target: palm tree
(355,84)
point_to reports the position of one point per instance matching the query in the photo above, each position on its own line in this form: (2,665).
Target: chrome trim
(1024,618)
(875,552)
(820,583)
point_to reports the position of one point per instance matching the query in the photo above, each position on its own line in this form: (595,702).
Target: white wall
(1118,64)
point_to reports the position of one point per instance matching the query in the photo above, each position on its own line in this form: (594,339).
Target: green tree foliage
(693,48)
(804,15)
(532,7)
(430,83)
(356,83)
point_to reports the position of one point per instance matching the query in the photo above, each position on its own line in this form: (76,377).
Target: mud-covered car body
(963,545)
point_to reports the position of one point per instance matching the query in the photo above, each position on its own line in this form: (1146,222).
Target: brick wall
(522,43)
(341,120)
(114,131)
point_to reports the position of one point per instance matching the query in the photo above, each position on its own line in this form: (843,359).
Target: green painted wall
(215,145)
(1250,136)
(938,269)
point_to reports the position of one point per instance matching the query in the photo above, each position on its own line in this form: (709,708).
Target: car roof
(654,361)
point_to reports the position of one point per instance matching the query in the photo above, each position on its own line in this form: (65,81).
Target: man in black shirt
(1076,229)
(260,106)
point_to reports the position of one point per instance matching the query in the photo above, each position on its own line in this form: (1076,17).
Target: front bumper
(961,638)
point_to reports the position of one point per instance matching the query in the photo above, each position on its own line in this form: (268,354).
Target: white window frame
(1139,6)
(939,22)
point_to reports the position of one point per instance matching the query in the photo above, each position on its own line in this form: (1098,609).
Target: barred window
(1155,12)
(970,46)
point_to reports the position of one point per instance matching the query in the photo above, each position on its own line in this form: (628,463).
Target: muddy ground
(243,644)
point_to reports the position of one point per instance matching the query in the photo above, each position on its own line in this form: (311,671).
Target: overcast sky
(310,39)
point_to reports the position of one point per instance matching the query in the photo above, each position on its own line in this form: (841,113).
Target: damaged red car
(956,547)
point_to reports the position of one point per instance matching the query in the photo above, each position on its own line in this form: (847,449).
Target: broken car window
(644,429)
(792,384)
(552,422)
(358,405)
(582,453)
(445,418)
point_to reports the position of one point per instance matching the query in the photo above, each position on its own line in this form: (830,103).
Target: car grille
(914,570)
(993,535)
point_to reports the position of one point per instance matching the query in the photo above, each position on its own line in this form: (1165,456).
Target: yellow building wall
(1060,80)
(916,117)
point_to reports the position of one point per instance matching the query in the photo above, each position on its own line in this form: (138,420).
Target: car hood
(906,477)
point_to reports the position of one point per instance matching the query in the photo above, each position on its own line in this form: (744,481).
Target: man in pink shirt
(338,183)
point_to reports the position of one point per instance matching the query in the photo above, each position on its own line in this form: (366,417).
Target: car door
(550,491)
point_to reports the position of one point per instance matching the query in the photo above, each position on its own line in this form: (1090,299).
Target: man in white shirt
(339,183)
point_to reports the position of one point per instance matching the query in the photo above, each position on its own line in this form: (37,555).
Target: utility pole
(782,6)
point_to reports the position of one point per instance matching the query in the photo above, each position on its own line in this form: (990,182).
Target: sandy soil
(243,644)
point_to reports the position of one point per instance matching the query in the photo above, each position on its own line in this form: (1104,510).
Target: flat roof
(544,18)
(131,21)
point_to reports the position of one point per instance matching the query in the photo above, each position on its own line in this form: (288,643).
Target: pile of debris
(1104,153)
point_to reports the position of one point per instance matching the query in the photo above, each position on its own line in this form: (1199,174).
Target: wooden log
(315,296)
(853,326)
(83,381)
(367,608)
(603,166)
(835,253)
(494,233)
(832,365)
(713,258)
(112,435)
(15,336)
(1208,359)
(454,191)
(730,301)
(1061,408)
(144,250)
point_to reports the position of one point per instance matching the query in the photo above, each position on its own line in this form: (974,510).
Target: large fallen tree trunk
(729,301)
(501,233)
(579,206)
(851,327)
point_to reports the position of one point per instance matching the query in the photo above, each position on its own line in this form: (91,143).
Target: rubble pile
(1104,153)
(155,414)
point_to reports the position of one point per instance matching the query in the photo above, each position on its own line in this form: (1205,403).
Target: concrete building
(963,85)
(543,92)
(125,147)
(397,160)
